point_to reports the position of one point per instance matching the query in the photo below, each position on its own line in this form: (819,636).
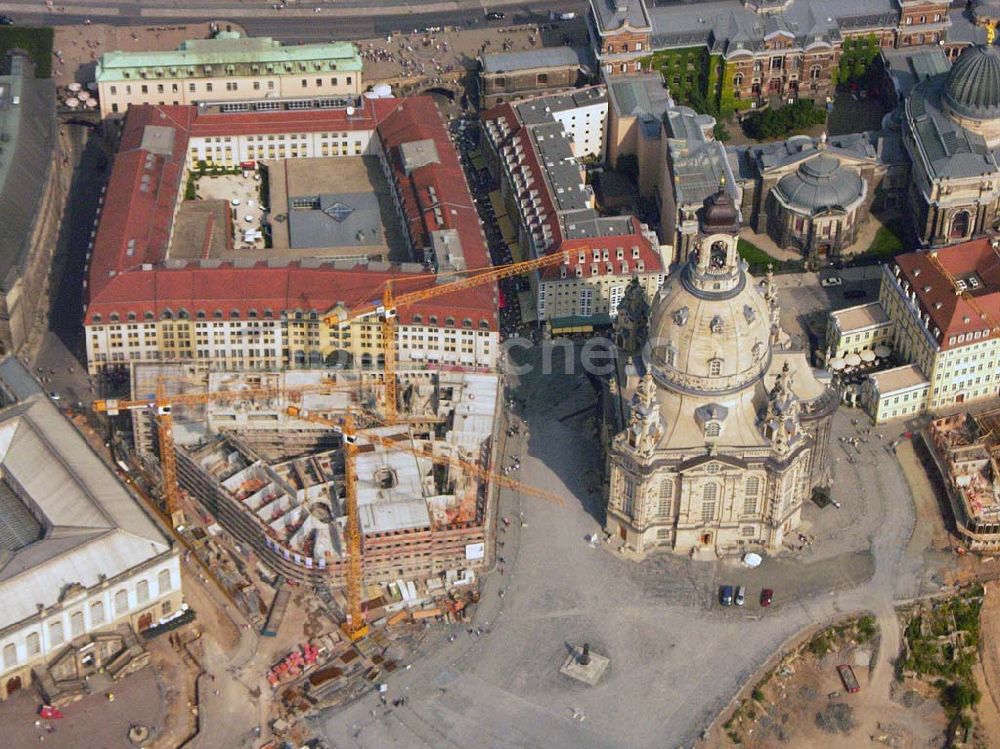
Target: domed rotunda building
(725,426)
(951,129)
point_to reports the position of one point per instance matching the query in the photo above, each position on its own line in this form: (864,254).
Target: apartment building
(534,148)
(856,329)
(146,305)
(943,306)
(227,68)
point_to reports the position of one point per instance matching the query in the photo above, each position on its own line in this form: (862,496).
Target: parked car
(831,281)
(6,21)
(741,595)
(54,395)
(726,595)
(766,596)
(495,15)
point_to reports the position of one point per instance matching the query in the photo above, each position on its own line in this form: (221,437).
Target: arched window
(814,72)
(142,591)
(714,367)
(959,225)
(163,582)
(121,602)
(738,80)
(9,655)
(712,429)
(750,495)
(665,505)
(671,356)
(708,498)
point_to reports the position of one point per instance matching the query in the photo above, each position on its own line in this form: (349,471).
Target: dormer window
(714,367)
(713,429)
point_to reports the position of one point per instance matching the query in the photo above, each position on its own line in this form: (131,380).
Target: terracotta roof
(649,256)
(228,289)
(976,265)
(439,185)
(127,272)
(365,117)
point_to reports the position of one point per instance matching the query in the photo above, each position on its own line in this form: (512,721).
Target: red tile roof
(127,270)
(931,277)
(649,256)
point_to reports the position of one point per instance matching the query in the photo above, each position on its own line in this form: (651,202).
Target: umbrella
(72,102)
(92,86)
(837,363)
(867,355)
(882,352)
(83,95)
(91,103)
(752,560)
(74,86)
(852,360)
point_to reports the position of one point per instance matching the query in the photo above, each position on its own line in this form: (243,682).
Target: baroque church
(719,431)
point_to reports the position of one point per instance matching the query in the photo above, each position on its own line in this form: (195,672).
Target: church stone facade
(724,427)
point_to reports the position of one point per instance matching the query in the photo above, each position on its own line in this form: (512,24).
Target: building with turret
(721,428)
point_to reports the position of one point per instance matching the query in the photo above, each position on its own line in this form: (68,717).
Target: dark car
(6,21)
(726,595)
(766,597)
(495,15)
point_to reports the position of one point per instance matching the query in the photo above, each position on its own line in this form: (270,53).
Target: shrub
(866,628)
(784,121)
(757,694)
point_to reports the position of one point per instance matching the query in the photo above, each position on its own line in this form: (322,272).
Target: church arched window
(717,258)
(712,429)
(714,367)
(708,498)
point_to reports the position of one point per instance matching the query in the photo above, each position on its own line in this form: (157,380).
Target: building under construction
(276,481)
(965,448)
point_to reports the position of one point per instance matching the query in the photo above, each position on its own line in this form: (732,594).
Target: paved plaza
(672,649)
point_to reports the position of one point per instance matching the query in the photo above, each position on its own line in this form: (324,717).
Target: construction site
(262,454)
(965,448)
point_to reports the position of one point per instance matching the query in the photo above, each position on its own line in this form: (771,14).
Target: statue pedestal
(589,674)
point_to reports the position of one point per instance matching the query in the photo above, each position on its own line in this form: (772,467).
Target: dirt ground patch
(988,673)
(803,702)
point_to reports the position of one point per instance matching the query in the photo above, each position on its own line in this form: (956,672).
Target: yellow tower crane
(355,626)
(386,310)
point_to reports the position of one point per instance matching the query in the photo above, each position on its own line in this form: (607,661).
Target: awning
(506,229)
(579,323)
(526,301)
(499,207)
(515,252)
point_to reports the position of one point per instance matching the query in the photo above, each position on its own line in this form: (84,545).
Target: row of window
(97,617)
(160,88)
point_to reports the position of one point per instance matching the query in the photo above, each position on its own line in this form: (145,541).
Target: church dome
(973,88)
(819,185)
(708,343)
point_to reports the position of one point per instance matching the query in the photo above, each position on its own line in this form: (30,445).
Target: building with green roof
(228,68)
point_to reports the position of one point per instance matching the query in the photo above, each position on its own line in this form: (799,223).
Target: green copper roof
(230,49)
